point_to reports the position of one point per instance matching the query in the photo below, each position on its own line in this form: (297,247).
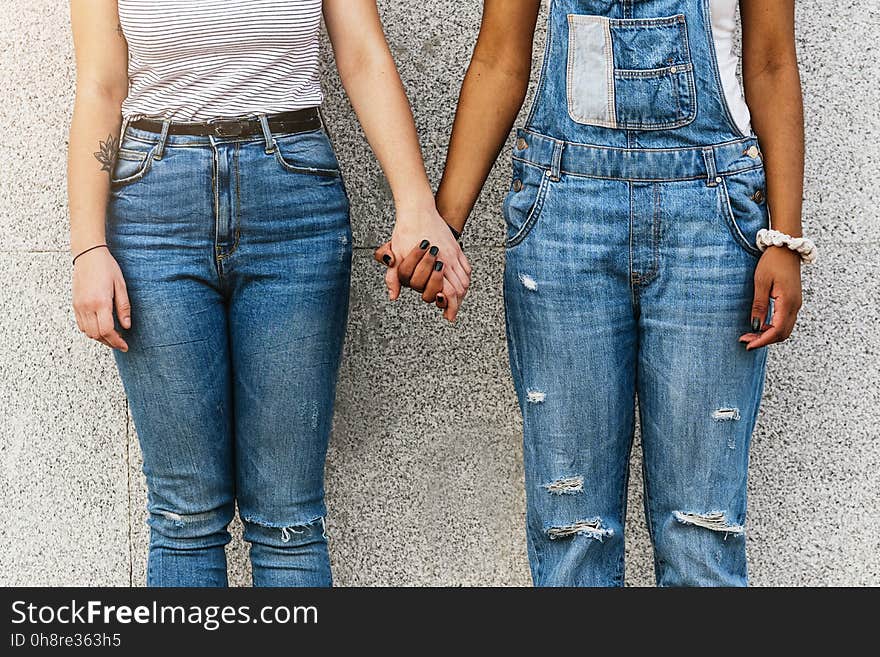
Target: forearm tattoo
(107,155)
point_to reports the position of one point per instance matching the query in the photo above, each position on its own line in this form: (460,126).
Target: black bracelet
(91,248)
(455,233)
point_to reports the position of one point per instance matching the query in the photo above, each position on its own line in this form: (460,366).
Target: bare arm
(773,93)
(101,86)
(370,78)
(491,96)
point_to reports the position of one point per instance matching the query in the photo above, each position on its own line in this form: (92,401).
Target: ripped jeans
(237,254)
(637,282)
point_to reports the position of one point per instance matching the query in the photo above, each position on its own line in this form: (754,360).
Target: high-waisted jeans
(237,257)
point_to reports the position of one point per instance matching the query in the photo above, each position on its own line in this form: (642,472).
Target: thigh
(290,280)
(572,347)
(176,372)
(699,389)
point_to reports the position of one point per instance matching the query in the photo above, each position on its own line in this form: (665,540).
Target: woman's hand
(423,235)
(777,277)
(98,286)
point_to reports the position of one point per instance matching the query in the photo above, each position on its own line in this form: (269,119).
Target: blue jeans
(237,257)
(631,254)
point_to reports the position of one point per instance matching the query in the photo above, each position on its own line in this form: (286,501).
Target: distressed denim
(631,223)
(237,257)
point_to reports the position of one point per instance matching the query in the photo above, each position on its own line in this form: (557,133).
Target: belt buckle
(227,128)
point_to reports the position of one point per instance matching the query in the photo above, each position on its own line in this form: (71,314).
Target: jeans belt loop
(267,134)
(712,178)
(163,137)
(556,165)
(125,121)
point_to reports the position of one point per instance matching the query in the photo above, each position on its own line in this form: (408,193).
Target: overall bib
(631,224)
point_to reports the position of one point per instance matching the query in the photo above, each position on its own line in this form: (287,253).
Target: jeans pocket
(133,161)
(744,205)
(308,153)
(630,73)
(523,203)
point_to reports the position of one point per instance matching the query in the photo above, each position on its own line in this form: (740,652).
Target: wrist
(92,249)
(414,201)
(80,243)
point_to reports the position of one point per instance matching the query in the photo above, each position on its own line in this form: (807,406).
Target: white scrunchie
(804,247)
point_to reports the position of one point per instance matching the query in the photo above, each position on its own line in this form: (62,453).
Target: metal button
(517,185)
(521,144)
(758,196)
(753,152)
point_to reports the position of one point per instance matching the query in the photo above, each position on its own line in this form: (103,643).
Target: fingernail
(424,244)
(438,265)
(386,259)
(434,251)
(756,324)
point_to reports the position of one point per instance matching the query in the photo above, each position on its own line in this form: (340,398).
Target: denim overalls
(631,223)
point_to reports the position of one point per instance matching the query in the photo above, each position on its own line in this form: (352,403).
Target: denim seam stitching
(671,149)
(225,254)
(723,174)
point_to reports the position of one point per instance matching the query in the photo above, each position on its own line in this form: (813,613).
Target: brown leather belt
(285,122)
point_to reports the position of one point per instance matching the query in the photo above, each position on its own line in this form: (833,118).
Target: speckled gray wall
(424,477)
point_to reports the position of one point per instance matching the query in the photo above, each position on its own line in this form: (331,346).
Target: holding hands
(423,254)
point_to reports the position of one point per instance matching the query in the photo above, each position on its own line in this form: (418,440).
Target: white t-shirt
(202,59)
(723,28)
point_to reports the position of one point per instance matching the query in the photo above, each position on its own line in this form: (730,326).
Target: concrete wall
(425,480)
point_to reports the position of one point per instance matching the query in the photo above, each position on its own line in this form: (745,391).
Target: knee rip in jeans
(591,527)
(290,531)
(535,396)
(726,415)
(180,520)
(566,486)
(715,521)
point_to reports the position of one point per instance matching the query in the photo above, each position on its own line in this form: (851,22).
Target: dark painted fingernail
(756,324)
(438,265)
(440,298)
(386,259)
(434,251)
(424,244)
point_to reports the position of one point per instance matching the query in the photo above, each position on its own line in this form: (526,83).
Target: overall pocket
(630,73)
(744,206)
(307,153)
(524,201)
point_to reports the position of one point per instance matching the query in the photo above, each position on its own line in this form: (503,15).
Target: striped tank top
(203,59)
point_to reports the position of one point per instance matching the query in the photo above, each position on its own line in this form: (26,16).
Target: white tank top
(723,28)
(203,59)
